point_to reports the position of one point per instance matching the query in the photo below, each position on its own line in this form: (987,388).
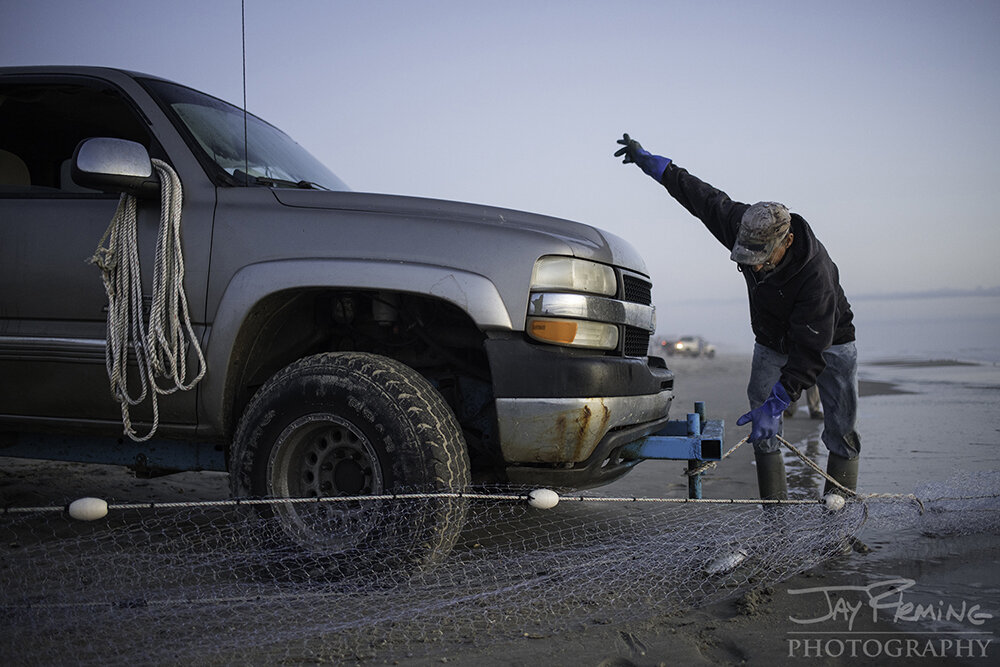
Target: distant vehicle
(691,346)
(663,345)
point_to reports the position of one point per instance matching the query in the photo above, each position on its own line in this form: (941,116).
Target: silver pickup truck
(355,343)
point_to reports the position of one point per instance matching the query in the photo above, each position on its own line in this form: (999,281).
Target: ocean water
(942,356)
(961,328)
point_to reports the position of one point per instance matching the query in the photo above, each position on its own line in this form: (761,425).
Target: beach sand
(921,421)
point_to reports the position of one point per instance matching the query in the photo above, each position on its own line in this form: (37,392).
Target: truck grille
(636,342)
(636,290)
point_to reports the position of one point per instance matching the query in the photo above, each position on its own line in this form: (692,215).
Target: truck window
(41,124)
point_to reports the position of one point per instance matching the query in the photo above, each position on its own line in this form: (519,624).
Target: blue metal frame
(694,440)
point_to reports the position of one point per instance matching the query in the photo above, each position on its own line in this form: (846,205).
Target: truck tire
(353,424)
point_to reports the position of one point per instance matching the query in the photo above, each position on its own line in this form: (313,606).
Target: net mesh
(235,582)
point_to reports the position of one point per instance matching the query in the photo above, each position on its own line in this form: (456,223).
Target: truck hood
(585,241)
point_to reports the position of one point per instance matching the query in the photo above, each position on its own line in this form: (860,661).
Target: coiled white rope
(161,346)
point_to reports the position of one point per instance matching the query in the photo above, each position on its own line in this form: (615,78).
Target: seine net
(227,582)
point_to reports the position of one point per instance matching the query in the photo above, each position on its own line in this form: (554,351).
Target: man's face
(777,255)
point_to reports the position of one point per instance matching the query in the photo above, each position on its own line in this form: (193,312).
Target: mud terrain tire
(354,424)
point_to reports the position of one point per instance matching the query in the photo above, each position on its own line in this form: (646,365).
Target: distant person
(814,402)
(801,320)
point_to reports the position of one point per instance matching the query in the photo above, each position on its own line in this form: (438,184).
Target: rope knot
(104,259)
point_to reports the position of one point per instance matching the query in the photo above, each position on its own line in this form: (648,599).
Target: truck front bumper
(565,418)
(576,442)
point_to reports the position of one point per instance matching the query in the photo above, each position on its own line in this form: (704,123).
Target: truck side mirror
(114,165)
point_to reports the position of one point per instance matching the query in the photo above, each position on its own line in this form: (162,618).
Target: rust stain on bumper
(569,430)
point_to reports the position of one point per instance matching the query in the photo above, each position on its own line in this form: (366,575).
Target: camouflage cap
(763,227)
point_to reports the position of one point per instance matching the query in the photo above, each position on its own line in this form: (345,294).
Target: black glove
(653,165)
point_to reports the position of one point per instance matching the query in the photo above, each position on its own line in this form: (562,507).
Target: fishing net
(226,582)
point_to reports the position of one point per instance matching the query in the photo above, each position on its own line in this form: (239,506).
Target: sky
(875,120)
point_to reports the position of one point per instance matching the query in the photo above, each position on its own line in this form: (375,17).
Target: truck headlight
(574,275)
(574,333)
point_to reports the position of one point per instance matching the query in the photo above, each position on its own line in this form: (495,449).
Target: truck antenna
(246,144)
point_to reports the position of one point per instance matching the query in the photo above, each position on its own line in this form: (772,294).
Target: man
(802,322)
(815,405)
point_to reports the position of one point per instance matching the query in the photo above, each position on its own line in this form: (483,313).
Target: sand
(916,429)
(920,422)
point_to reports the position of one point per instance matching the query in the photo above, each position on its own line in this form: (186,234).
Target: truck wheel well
(432,336)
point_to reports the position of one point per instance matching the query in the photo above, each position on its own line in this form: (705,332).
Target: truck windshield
(215,129)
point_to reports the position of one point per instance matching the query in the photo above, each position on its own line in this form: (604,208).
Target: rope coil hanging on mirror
(161,345)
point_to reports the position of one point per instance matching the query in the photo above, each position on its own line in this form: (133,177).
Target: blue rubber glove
(653,165)
(767,418)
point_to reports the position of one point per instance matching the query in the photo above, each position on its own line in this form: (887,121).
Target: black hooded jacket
(799,308)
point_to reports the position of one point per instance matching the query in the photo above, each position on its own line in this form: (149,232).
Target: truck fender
(474,294)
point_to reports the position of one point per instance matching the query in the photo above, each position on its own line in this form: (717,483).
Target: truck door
(53,306)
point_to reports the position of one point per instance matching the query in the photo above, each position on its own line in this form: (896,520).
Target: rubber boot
(771,480)
(845,471)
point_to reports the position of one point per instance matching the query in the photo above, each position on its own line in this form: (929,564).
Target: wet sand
(920,422)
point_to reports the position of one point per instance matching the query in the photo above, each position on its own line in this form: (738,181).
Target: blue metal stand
(695,440)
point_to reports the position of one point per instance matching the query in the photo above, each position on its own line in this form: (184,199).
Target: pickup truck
(354,343)
(692,346)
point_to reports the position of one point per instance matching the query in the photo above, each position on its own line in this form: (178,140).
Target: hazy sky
(877,121)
